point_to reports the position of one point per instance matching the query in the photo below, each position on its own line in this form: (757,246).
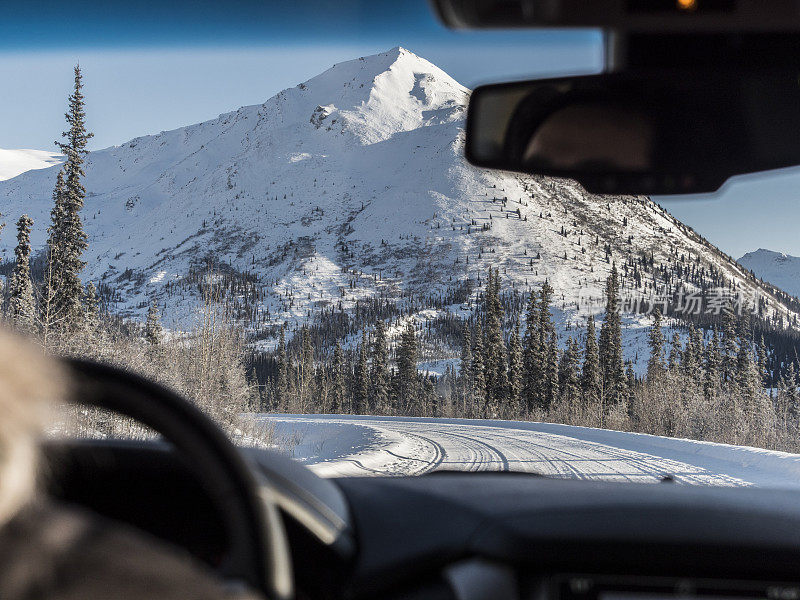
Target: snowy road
(335,445)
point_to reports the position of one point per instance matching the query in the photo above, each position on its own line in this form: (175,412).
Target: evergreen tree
(746,376)
(630,384)
(548,375)
(282,376)
(761,363)
(495,363)
(788,396)
(379,401)
(21,302)
(339,391)
(532,358)
(550,387)
(465,371)
(730,347)
(713,364)
(515,376)
(152,328)
(91,307)
(655,364)
(610,346)
(568,376)
(478,374)
(408,390)
(67,240)
(361,392)
(50,316)
(692,355)
(590,375)
(305,366)
(675,351)
(430,399)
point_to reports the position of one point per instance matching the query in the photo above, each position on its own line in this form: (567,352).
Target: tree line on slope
(712,390)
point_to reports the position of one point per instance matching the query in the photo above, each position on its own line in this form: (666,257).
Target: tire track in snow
(409,446)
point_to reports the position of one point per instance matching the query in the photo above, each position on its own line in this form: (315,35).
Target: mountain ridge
(352,187)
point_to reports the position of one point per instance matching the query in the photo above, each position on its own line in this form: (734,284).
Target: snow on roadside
(363,445)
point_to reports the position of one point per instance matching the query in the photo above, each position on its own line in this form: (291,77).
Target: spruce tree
(430,400)
(152,327)
(339,392)
(655,364)
(746,375)
(788,386)
(610,346)
(361,391)
(545,392)
(408,396)
(282,375)
(730,346)
(465,370)
(675,351)
(531,354)
(478,373)
(68,240)
(91,308)
(379,401)
(568,376)
(630,385)
(51,319)
(761,362)
(515,377)
(692,354)
(590,374)
(21,302)
(550,383)
(495,363)
(305,365)
(713,365)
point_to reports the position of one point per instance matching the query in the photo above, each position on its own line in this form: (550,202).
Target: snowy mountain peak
(374,97)
(780,269)
(349,187)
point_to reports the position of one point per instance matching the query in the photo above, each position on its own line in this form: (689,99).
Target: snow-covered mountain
(781,270)
(14,162)
(350,186)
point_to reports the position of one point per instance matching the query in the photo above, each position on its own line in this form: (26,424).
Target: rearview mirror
(647,132)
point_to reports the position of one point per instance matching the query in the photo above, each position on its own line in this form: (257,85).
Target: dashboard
(590,587)
(470,536)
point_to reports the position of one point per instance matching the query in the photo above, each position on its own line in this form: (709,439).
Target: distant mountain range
(349,187)
(14,162)
(781,270)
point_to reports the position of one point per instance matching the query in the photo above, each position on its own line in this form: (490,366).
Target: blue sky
(153,65)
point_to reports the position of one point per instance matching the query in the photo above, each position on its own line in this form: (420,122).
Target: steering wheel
(258,551)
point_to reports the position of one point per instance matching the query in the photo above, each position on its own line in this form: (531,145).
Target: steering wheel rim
(258,553)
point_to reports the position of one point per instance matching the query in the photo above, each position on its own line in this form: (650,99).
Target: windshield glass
(267,208)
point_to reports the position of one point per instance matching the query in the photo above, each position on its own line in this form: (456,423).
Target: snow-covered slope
(14,162)
(349,186)
(781,270)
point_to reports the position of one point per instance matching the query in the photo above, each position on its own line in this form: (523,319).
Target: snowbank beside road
(336,445)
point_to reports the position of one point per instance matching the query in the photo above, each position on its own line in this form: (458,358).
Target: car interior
(723,70)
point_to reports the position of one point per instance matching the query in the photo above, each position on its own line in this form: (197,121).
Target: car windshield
(266,207)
